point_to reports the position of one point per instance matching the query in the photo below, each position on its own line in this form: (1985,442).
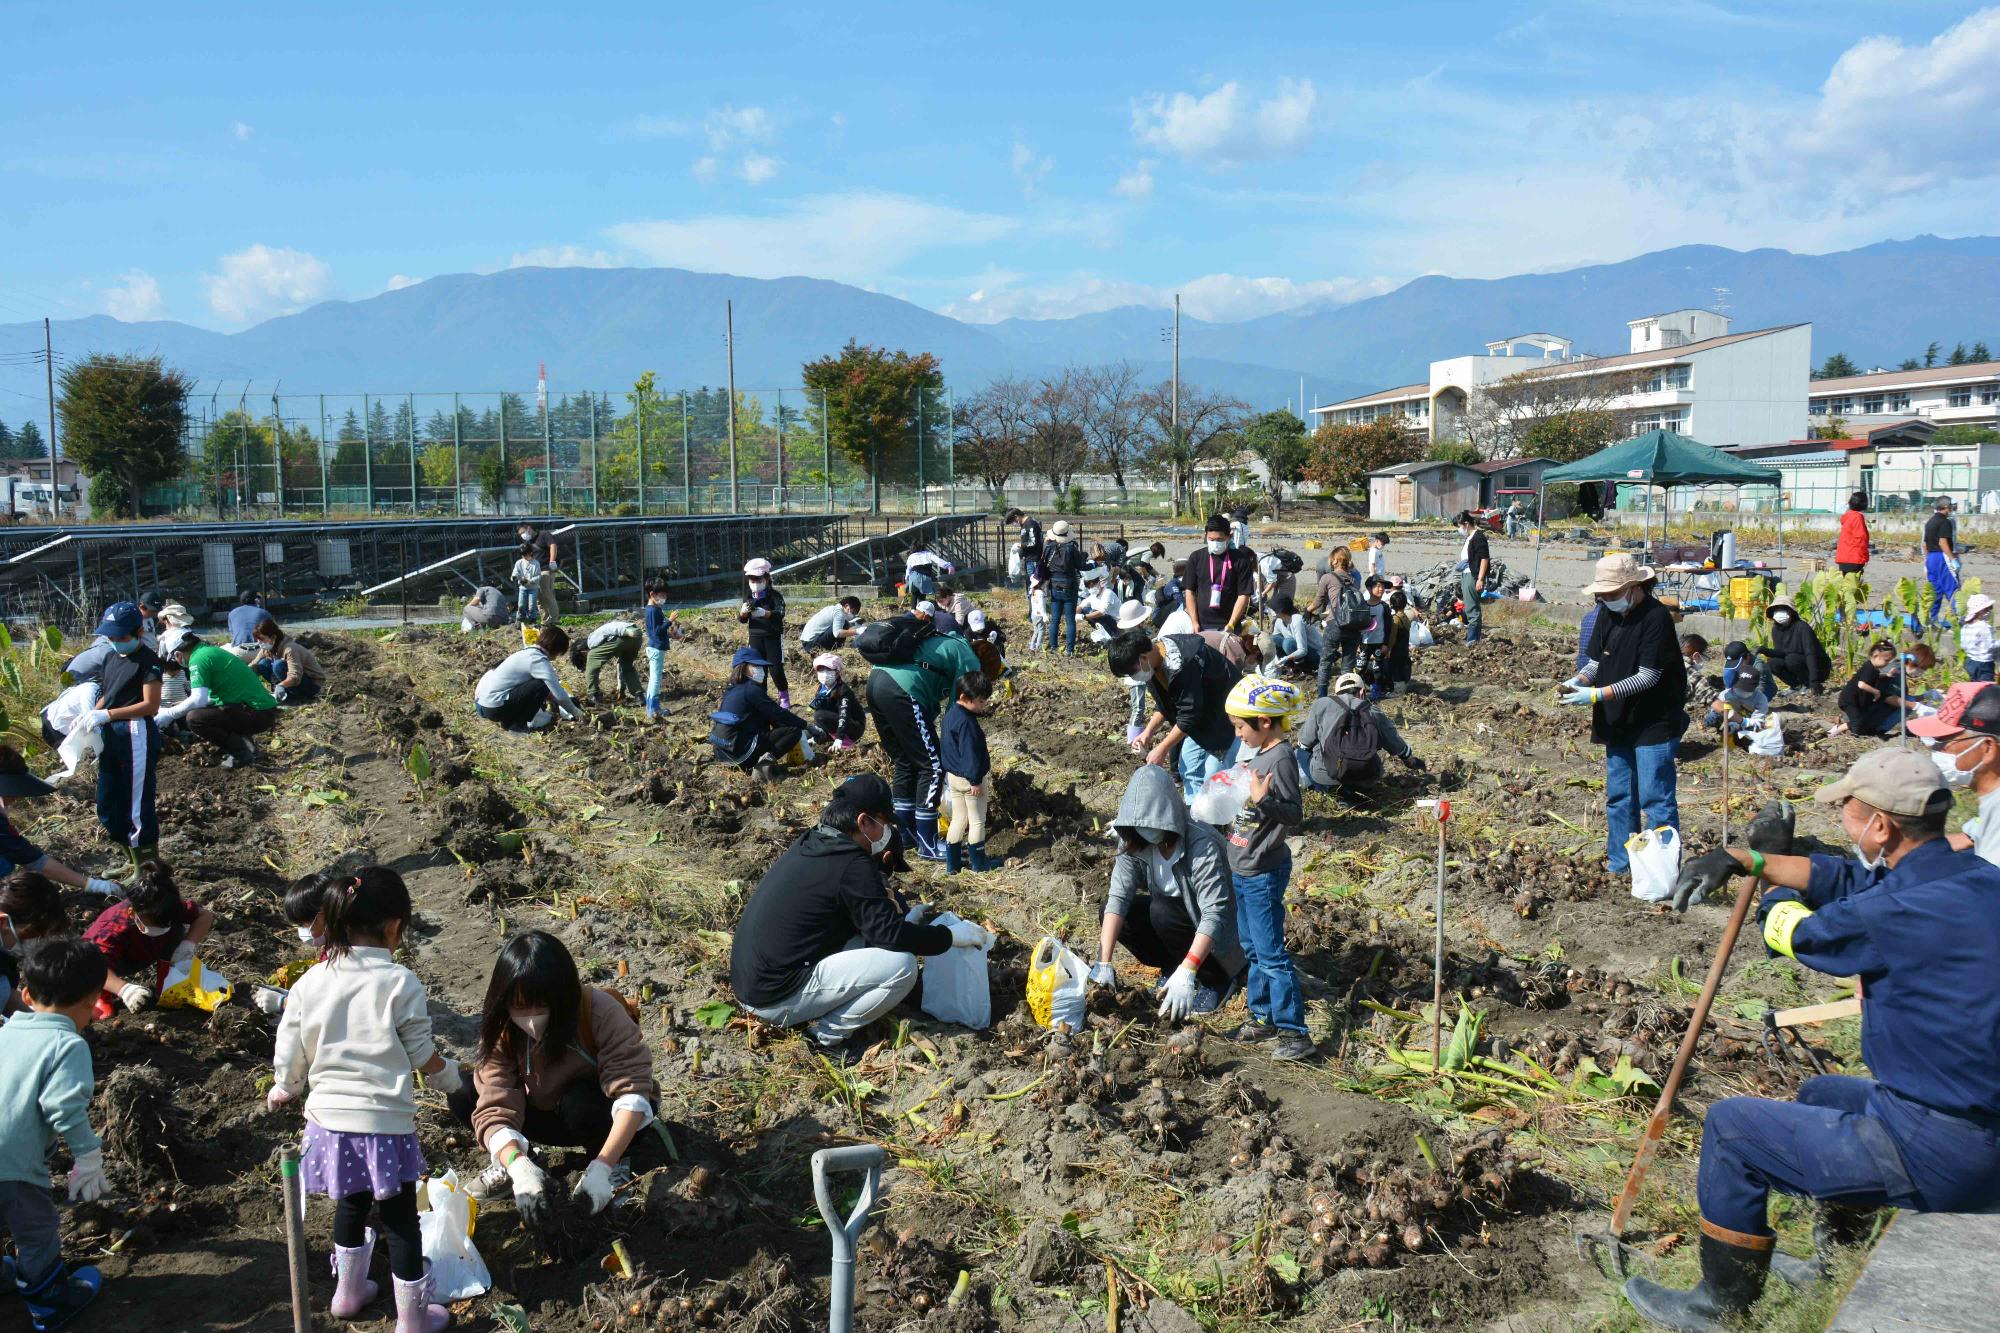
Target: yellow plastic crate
(1744,594)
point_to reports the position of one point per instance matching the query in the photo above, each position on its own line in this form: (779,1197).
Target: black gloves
(1771,830)
(1703,876)
(1414,764)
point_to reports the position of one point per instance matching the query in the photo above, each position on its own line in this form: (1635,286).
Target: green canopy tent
(1662,458)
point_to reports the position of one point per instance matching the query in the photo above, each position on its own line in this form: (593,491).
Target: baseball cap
(748,657)
(975,620)
(871,795)
(121,621)
(1893,779)
(155,598)
(1970,705)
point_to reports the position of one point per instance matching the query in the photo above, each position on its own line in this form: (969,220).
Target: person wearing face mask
(763,611)
(1639,712)
(1220,579)
(752,730)
(1795,655)
(823,944)
(1190,681)
(142,937)
(543,543)
(560,1064)
(1966,730)
(1913,918)
(1475,563)
(128,700)
(836,707)
(1172,902)
(1748,707)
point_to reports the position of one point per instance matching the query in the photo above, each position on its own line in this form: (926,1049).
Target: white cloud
(857,236)
(563,256)
(1227,127)
(1028,168)
(134,297)
(706,169)
(658,127)
(242,131)
(399,281)
(1218,297)
(260,282)
(756,168)
(1136,183)
(729,126)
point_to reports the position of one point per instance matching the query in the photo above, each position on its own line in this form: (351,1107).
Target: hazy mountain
(599,328)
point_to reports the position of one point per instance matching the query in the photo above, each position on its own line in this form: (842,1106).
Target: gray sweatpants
(845,993)
(29,1212)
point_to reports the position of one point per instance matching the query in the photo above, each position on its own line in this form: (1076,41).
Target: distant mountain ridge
(599,328)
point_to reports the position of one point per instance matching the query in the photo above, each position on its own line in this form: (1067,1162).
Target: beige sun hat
(1615,571)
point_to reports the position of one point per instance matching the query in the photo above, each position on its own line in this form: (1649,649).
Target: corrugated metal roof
(1411,469)
(1890,379)
(1665,356)
(1400,393)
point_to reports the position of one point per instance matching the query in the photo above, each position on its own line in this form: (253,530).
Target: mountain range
(599,328)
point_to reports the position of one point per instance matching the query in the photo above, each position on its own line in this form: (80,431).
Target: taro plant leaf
(325,796)
(1628,1077)
(1464,1043)
(514,1318)
(11,674)
(589,812)
(52,636)
(6,640)
(715,1014)
(1284,1266)
(419,763)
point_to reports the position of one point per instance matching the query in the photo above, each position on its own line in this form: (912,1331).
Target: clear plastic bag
(457,1269)
(956,986)
(1656,863)
(83,742)
(1420,634)
(1221,798)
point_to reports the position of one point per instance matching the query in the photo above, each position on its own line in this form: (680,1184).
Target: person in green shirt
(904,700)
(227,702)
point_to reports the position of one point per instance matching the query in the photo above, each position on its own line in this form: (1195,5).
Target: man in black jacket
(1796,655)
(822,945)
(1639,711)
(1475,564)
(1220,579)
(1028,543)
(1190,684)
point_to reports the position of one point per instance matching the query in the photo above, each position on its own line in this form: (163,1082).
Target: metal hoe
(863,1157)
(1443,809)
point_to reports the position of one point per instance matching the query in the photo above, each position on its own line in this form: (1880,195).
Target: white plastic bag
(956,987)
(83,742)
(1013,562)
(1420,634)
(459,1272)
(1221,798)
(1766,740)
(1656,863)
(1058,986)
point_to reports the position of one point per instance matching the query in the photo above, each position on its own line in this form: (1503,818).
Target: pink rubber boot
(416,1312)
(352,1291)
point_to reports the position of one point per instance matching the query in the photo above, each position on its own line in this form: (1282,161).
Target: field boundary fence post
(322,457)
(367,455)
(687,483)
(410,401)
(457,460)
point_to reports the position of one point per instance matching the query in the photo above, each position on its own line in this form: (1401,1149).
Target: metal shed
(1408,492)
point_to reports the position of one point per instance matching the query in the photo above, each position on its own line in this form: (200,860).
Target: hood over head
(1152,800)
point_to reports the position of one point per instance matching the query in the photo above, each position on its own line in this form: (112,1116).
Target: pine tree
(1958,356)
(1979,352)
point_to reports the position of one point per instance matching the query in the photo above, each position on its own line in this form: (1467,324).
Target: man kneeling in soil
(822,944)
(1340,743)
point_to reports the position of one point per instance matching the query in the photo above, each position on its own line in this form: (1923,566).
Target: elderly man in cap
(1966,734)
(824,944)
(1941,563)
(1912,917)
(1635,686)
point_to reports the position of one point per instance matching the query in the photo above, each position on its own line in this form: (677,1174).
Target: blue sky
(223,164)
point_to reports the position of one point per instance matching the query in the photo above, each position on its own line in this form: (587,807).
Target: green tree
(7,442)
(1453,451)
(871,398)
(1930,355)
(1979,352)
(1343,456)
(122,417)
(1908,363)
(1958,437)
(1278,441)
(1568,436)
(1958,356)
(437,465)
(28,443)
(1836,367)
(492,476)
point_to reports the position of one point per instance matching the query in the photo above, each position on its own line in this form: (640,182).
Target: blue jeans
(1271,986)
(1638,779)
(1198,765)
(656,664)
(1062,620)
(1944,583)
(527,600)
(1979,670)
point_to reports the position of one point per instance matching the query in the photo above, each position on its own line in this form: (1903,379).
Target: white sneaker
(493,1183)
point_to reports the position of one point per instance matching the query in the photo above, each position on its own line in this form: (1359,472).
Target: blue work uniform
(126,781)
(1924,1133)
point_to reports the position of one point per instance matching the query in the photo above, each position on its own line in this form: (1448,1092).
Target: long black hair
(364,904)
(153,898)
(533,968)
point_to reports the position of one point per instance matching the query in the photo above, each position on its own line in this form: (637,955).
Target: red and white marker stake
(1442,808)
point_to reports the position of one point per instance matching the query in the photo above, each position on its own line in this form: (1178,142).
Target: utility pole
(55,455)
(729,338)
(1175,427)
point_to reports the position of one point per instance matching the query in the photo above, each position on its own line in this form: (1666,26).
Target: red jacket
(1852,548)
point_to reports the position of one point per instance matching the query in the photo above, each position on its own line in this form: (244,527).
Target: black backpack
(1350,609)
(1289,561)
(893,642)
(1063,562)
(1354,742)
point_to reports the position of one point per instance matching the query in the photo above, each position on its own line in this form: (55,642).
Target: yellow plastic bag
(195,987)
(530,633)
(1056,982)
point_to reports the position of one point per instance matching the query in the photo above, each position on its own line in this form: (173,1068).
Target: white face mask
(1617,605)
(758,585)
(1868,862)
(1217,545)
(154,932)
(1781,617)
(306,935)
(880,842)
(827,677)
(757,674)
(534,1022)
(1954,776)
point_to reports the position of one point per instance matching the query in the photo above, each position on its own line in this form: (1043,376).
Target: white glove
(1102,975)
(268,1000)
(183,954)
(1177,999)
(531,1189)
(277,1099)
(107,888)
(595,1186)
(136,997)
(86,1178)
(918,911)
(967,935)
(97,717)
(448,1079)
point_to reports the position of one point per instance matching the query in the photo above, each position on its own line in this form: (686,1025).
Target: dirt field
(1184,1177)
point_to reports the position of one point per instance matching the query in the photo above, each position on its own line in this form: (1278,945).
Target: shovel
(863,1157)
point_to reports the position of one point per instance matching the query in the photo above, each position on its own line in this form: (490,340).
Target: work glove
(448,1079)
(531,1191)
(967,935)
(1771,830)
(919,913)
(86,1178)
(277,1099)
(107,888)
(97,717)
(1580,697)
(1954,564)
(1102,975)
(1177,996)
(1414,764)
(135,996)
(183,954)
(280,693)
(594,1188)
(1573,683)
(1703,876)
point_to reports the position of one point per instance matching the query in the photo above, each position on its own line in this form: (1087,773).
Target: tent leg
(1541,532)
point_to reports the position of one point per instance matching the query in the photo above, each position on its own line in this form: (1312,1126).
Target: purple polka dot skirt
(337,1164)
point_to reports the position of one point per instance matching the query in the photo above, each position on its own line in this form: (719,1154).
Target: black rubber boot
(1732,1278)
(1834,1225)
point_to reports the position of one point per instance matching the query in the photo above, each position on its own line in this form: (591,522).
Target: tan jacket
(608,1043)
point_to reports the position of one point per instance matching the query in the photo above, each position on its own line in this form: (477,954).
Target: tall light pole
(729,337)
(1174,409)
(55,454)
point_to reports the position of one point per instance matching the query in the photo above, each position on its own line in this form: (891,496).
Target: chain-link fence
(645,451)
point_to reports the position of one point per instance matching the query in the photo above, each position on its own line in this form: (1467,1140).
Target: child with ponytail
(357,1029)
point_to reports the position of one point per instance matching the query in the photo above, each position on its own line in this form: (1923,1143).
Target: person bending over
(524,693)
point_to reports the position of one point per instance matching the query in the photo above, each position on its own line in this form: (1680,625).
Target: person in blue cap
(128,699)
(1911,916)
(751,730)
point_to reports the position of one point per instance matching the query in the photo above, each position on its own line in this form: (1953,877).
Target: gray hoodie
(1323,719)
(1197,877)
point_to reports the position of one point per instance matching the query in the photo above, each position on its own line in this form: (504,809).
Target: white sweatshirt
(356,1029)
(524,665)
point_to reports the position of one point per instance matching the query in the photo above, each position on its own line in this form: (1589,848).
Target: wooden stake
(295,1234)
